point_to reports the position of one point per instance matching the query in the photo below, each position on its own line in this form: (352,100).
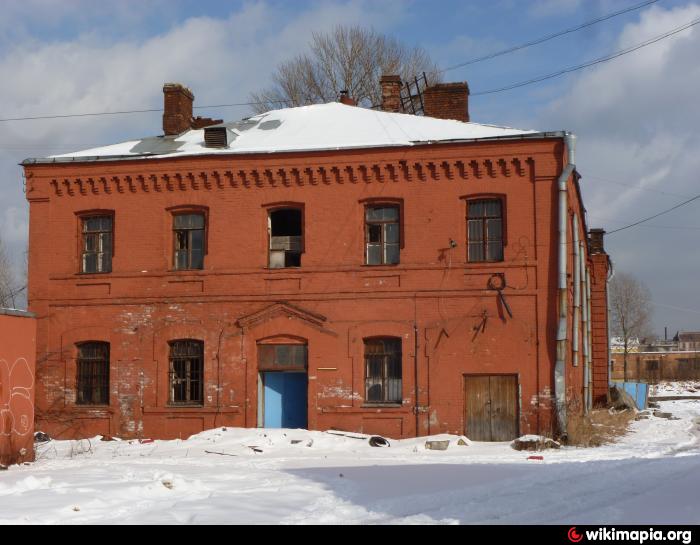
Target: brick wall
(17,353)
(450,322)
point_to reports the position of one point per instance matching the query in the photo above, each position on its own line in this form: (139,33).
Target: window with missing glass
(189,237)
(97,244)
(92,384)
(383,376)
(485,230)
(186,372)
(382,235)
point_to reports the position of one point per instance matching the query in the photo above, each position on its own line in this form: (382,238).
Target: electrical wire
(151,110)
(684,203)
(588,64)
(548,37)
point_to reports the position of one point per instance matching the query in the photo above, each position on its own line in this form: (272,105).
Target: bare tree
(8,286)
(630,302)
(346,59)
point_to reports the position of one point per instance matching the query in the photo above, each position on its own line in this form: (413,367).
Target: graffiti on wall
(16,405)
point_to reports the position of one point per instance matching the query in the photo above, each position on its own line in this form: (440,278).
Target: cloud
(637,119)
(95,61)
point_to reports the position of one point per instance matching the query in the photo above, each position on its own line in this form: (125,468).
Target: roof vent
(215,137)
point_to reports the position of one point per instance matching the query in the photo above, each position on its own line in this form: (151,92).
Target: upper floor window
(382,235)
(286,238)
(187,372)
(383,381)
(97,244)
(92,385)
(189,233)
(485,230)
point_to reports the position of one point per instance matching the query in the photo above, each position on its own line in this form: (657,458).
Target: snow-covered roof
(332,126)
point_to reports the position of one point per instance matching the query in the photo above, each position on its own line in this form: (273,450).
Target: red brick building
(325,267)
(17,352)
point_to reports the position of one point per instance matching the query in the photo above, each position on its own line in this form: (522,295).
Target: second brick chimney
(447,101)
(177,109)
(391,93)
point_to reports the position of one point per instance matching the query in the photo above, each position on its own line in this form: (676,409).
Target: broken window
(97,245)
(485,230)
(382,235)
(186,372)
(92,386)
(189,241)
(282,357)
(383,371)
(286,242)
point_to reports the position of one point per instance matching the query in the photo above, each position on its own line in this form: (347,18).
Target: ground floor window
(383,381)
(186,372)
(92,386)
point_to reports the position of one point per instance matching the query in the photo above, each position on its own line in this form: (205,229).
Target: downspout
(586,333)
(590,341)
(577,290)
(560,366)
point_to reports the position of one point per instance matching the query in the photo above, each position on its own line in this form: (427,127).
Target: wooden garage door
(490,407)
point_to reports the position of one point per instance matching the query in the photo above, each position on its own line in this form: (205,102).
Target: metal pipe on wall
(562,329)
(577,288)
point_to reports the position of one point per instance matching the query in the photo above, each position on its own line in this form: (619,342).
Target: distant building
(689,341)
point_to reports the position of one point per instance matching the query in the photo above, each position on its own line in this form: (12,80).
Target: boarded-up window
(97,245)
(188,233)
(382,235)
(485,230)
(282,357)
(186,372)
(92,386)
(383,374)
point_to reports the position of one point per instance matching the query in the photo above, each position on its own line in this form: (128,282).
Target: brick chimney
(391,93)
(600,270)
(177,110)
(447,101)
(596,241)
(345,99)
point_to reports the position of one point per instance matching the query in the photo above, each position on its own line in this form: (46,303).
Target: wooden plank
(504,407)
(477,426)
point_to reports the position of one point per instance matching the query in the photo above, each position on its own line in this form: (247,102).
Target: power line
(152,110)
(481,93)
(684,203)
(548,37)
(588,64)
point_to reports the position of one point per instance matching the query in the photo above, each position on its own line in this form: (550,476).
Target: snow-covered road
(650,476)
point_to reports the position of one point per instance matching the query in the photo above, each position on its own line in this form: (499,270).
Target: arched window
(189,234)
(92,384)
(286,228)
(97,243)
(485,230)
(382,234)
(187,372)
(383,371)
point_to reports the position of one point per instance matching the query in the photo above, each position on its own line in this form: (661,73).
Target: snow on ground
(650,476)
(684,388)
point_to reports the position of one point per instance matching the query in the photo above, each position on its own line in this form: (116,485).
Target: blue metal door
(285,400)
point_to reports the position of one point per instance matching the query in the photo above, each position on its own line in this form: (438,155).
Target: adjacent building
(322,267)
(17,354)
